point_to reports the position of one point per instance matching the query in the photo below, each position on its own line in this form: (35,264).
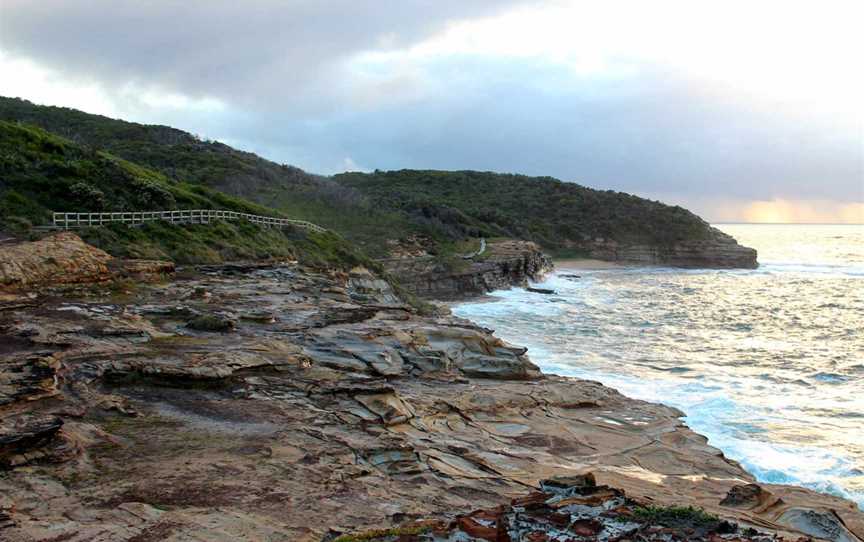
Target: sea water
(767,363)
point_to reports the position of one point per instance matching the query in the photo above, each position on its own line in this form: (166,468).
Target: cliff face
(720,251)
(503,265)
(281,403)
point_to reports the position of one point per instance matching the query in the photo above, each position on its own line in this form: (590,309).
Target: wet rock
(216,323)
(544,291)
(499,368)
(506,263)
(348,423)
(22,436)
(7,511)
(27,377)
(141,270)
(389,407)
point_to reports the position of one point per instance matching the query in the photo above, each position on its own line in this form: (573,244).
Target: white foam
(744,368)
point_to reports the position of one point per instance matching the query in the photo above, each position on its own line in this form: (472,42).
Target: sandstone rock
(7,510)
(212,322)
(608,517)
(821,524)
(64,259)
(27,378)
(22,435)
(720,251)
(141,270)
(348,424)
(506,263)
(746,496)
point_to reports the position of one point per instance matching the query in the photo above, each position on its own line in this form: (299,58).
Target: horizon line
(790,223)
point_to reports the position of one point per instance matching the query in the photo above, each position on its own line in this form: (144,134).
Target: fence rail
(67,221)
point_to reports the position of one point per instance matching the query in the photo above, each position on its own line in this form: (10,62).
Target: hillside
(375,210)
(41,172)
(182,157)
(553,213)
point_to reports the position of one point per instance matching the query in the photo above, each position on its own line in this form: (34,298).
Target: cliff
(720,251)
(252,402)
(504,264)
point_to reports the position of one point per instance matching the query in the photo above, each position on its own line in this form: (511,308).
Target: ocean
(767,363)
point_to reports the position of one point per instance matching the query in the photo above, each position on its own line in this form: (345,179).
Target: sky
(739,110)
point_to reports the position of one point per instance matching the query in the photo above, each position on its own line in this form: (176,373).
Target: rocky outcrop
(64,259)
(330,407)
(720,251)
(504,264)
(574,508)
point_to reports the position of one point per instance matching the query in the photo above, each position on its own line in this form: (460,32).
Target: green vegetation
(211,322)
(556,214)
(675,516)
(184,160)
(377,534)
(41,172)
(120,165)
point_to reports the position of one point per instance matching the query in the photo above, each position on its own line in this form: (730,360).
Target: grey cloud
(261,54)
(278,66)
(656,132)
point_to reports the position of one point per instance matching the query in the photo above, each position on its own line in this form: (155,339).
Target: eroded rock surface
(330,407)
(574,509)
(504,264)
(720,251)
(63,258)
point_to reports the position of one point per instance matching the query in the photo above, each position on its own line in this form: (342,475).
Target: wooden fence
(67,221)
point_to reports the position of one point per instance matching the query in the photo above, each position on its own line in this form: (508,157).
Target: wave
(712,413)
(850,270)
(764,362)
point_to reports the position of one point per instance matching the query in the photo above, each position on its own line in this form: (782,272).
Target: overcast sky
(739,110)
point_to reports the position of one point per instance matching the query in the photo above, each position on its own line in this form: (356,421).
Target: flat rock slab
(337,410)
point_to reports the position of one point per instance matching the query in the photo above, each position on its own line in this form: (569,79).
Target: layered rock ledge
(273,402)
(720,251)
(504,264)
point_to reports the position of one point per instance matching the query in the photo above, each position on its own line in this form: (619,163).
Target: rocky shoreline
(720,251)
(276,402)
(504,264)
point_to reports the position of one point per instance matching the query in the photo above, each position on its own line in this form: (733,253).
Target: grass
(671,516)
(381,533)
(41,172)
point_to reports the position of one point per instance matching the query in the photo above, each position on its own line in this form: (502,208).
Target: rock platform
(329,407)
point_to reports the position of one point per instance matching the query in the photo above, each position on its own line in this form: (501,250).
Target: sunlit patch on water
(767,363)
